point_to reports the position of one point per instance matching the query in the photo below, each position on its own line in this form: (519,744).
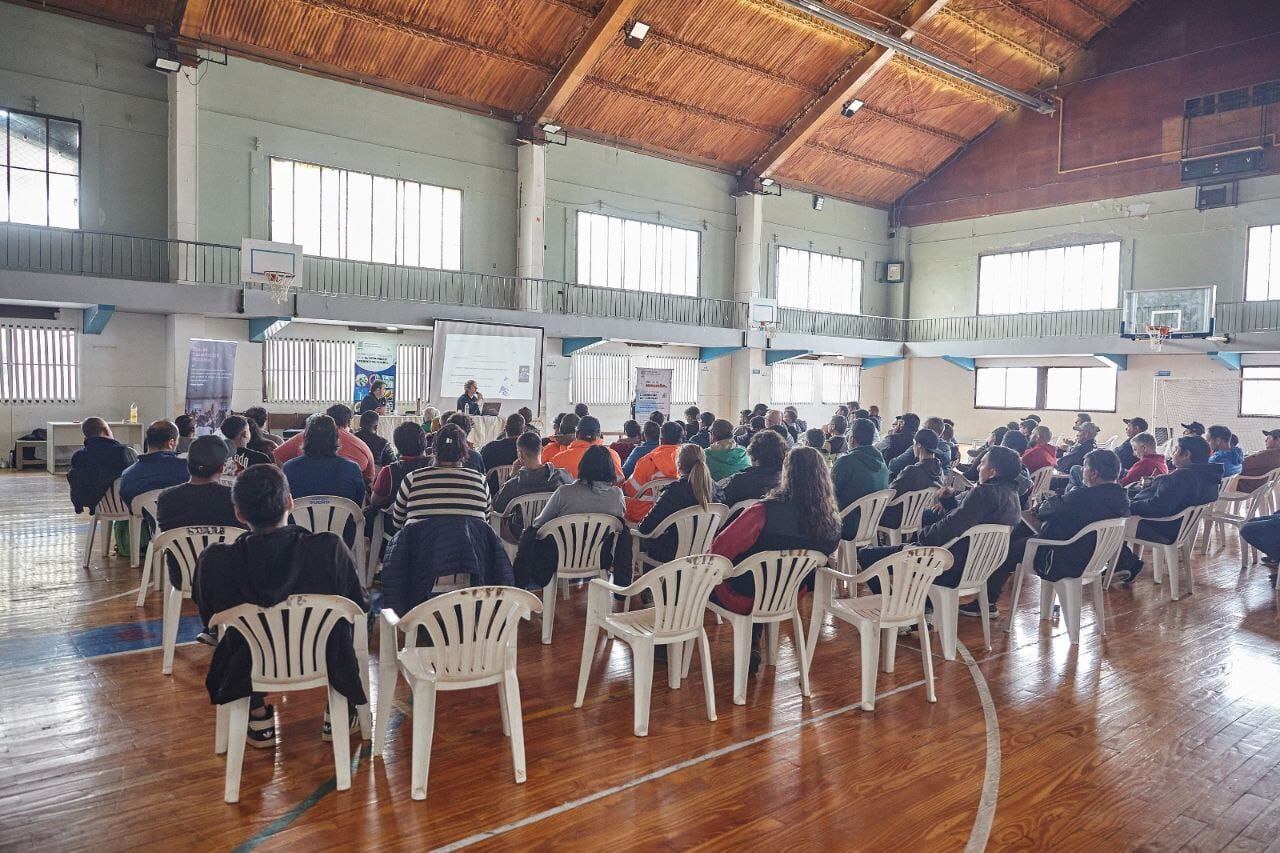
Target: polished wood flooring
(1164,735)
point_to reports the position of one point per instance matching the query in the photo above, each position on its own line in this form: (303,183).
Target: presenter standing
(469,402)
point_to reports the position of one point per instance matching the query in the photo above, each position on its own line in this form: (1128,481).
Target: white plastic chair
(739,508)
(869,508)
(145,502)
(579,539)
(904,584)
(110,509)
(1169,556)
(680,592)
(988,548)
(913,506)
(330,514)
(695,528)
(473,644)
(958,482)
(529,506)
(289,655)
(185,544)
(1109,539)
(650,491)
(1040,482)
(777,576)
(373,549)
(498,475)
(1235,506)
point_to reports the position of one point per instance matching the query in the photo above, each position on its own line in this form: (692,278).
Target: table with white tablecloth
(484,428)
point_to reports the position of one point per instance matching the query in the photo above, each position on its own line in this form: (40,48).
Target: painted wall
(70,69)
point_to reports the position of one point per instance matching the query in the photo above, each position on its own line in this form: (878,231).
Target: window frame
(311,371)
(1028,407)
(1245,378)
(423,378)
(841,398)
(790,367)
(9,167)
(1273,286)
(582,358)
(977,308)
(859,278)
(1042,388)
(11,367)
(623,274)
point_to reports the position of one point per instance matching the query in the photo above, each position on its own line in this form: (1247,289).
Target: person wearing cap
(900,437)
(1263,462)
(1150,462)
(924,473)
(1126,452)
(202,499)
(1193,428)
(941,449)
(1085,444)
(588,435)
(1226,450)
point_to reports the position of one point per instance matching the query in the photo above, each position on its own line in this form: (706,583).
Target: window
(413,366)
(600,379)
(306,371)
(1262,275)
(839,383)
(631,255)
(792,384)
(1005,388)
(1080,389)
(338,213)
(684,377)
(1260,391)
(1068,278)
(39,364)
(818,282)
(39,170)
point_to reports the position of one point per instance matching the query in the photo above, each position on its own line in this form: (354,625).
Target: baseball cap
(589,427)
(1195,426)
(1140,423)
(1271,433)
(207,455)
(927,438)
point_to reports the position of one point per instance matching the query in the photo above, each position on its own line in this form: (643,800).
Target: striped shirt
(441,491)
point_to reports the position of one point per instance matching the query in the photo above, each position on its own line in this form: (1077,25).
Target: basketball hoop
(1157,336)
(769,329)
(279,284)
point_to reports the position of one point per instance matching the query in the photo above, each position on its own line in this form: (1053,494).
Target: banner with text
(375,361)
(653,391)
(211,373)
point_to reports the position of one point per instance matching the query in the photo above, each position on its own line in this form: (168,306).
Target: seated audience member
(566,432)
(588,436)
(693,488)
(691,426)
(259,416)
(630,440)
(725,457)
(843,411)
(1027,427)
(581,410)
(447,488)
(756,424)
(320,470)
(1041,453)
(658,418)
(96,466)
(948,437)
(258,443)
(526,413)
(660,463)
(1263,462)
(378,446)
(1059,519)
(1193,428)
(652,437)
(940,450)
(773,421)
(1132,427)
(186,432)
(791,420)
(238,434)
(531,476)
(1086,443)
(817,439)
(1194,481)
(837,435)
(873,415)
(349,447)
(1225,450)
(768,451)
(1263,533)
(900,438)
(159,468)
(1148,462)
(702,437)
(976,453)
(411,444)
(202,499)
(924,473)
(430,420)
(273,561)
(593,492)
(858,473)
(800,512)
(473,459)
(502,451)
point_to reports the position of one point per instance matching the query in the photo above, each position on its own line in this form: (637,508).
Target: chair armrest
(634,589)
(866,575)
(835,573)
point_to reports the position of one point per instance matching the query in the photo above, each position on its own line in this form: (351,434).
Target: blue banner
(375,361)
(211,373)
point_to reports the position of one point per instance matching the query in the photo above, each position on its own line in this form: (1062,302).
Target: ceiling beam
(954,83)
(1004,40)
(868,161)
(604,28)
(851,81)
(1042,22)
(903,121)
(668,103)
(746,67)
(1093,12)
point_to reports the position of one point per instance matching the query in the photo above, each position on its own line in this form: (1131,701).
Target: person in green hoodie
(725,457)
(859,472)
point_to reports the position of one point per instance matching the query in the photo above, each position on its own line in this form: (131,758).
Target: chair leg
(341,739)
(797,626)
(741,658)
(708,682)
(1047,593)
(588,656)
(1099,608)
(511,699)
(564,590)
(502,708)
(237,730)
(364,712)
(1018,576)
(135,534)
(946,611)
(148,572)
(675,664)
(1186,561)
(817,612)
(109,528)
(690,649)
(927,654)
(548,611)
(642,657)
(388,672)
(1171,563)
(424,726)
(985,605)
(870,640)
(221,721)
(169,627)
(1157,564)
(889,650)
(88,540)
(1069,593)
(771,644)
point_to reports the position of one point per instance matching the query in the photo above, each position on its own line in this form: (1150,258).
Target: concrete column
(748,279)
(531,174)
(183,147)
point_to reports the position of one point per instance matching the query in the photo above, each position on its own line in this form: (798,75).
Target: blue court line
(42,649)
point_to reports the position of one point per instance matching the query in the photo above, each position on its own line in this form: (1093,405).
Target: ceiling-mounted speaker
(1216,167)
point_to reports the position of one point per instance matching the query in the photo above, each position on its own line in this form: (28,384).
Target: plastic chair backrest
(913,506)
(958,482)
(111,503)
(905,586)
(1229,484)
(988,548)
(471,629)
(529,505)
(146,502)
(695,528)
(1106,549)
(650,490)
(739,507)
(1190,521)
(579,539)
(186,544)
(681,590)
(500,474)
(870,508)
(777,576)
(1040,481)
(324,513)
(287,642)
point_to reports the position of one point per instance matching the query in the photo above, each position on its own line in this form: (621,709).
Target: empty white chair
(1040,482)
(1174,556)
(680,592)
(1109,538)
(988,548)
(110,509)
(580,540)
(145,502)
(904,584)
(288,654)
(913,506)
(473,644)
(694,527)
(185,545)
(869,508)
(1235,506)
(528,506)
(330,514)
(777,576)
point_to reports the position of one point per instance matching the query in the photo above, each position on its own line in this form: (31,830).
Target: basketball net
(1157,336)
(279,285)
(769,329)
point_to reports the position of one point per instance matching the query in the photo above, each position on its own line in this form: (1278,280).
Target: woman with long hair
(799,513)
(694,488)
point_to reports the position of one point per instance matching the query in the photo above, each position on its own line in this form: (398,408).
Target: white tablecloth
(484,428)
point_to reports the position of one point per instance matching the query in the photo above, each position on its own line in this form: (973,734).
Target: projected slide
(505,361)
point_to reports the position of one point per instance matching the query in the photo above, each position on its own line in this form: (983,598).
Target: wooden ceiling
(750,87)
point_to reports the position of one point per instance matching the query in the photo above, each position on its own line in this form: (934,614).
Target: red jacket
(1040,456)
(1151,465)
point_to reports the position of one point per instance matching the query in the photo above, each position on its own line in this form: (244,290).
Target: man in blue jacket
(96,466)
(159,468)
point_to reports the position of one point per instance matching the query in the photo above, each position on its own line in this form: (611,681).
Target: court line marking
(986,815)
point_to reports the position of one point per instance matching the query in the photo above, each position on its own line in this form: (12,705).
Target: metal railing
(867,327)
(1237,317)
(1054,324)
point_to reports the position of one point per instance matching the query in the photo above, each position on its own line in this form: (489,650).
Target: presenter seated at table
(469,402)
(376,399)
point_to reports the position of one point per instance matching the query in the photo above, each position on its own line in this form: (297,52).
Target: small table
(68,434)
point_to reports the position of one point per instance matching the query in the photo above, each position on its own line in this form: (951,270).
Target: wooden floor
(1163,735)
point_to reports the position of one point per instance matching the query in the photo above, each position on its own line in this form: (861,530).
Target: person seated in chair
(159,468)
(908,456)
(530,476)
(659,464)
(1263,462)
(838,435)
(629,441)
(1040,453)
(96,466)
(1086,443)
(725,457)
(1148,462)
(1225,449)
(1133,427)
(587,436)
(349,447)
(768,451)
(238,434)
(320,470)
(693,488)
(273,561)
(858,473)
(650,438)
(411,444)
(1194,481)
(186,432)
(924,473)
(259,416)
(702,437)
(448,487)
(378,446)
(502,451)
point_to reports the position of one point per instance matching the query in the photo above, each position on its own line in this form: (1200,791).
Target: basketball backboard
(262,261)
(1186,312)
